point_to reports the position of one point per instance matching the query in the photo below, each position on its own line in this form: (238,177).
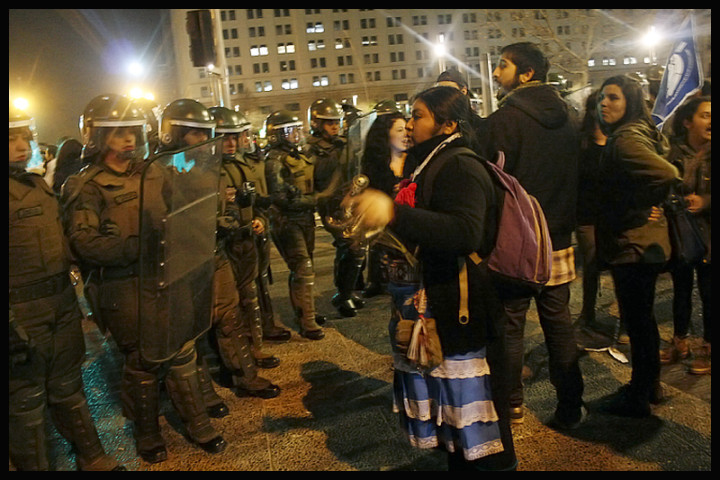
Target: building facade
(271,59)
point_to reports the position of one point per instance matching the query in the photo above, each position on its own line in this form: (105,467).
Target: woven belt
(40,289)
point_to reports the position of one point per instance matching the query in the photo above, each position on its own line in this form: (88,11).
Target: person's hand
(371,210)
(695,203)
(258,226)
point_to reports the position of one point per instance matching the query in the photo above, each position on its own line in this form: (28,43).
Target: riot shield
(177,245)
(355,144)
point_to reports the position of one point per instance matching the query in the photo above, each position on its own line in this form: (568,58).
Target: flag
(683,74)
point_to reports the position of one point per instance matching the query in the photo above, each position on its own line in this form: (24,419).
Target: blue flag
(683,74)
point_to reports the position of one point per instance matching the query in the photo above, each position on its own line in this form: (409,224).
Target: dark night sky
(61,59)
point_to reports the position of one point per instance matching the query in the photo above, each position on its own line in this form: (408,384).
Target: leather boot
(214,405)
(271,332)
(701,362)
(73,421)
(346,271)
(149,442)
(183,386)
(28,450)
(678,349)
(303,300)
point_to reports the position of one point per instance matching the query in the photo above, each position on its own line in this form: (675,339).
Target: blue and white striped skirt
(449,407)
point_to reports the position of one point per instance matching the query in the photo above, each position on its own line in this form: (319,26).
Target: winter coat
(539,136)
(635,177)
(694,168)
(458,219)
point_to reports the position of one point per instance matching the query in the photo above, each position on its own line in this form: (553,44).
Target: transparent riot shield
(356,142)
(178,217)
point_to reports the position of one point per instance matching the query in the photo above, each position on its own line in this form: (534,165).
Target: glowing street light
(21,103)
(651,39)
(138,92)
(135,69)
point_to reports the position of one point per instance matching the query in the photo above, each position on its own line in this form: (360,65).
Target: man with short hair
(534,129)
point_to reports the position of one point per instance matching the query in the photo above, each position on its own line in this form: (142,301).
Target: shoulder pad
(75,183)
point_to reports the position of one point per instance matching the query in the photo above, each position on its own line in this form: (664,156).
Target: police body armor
(177,249)
(38,266)
(290,176)
(34,218)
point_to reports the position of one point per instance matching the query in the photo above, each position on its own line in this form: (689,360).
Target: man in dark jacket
(535,130)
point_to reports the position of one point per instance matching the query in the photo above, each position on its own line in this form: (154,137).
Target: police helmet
(279,127)
(106,113)
(385,107)
(323,109)
(20,122)
(180,117)
(228,121)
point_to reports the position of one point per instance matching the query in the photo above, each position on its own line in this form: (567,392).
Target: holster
(92,298)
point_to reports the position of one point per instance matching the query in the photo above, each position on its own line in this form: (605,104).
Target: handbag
(415,336)
(418,339)
(686,241)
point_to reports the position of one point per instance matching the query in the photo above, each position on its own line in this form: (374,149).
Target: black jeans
(554,313)
(683,276)
(635,293)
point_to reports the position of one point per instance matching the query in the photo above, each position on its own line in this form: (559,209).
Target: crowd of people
(98,226)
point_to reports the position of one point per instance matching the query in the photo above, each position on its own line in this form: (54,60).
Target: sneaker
(678,349)
(701,363)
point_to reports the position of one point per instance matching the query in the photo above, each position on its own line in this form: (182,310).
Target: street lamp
(651,39)
(135,69)
(440,51)
(21,103)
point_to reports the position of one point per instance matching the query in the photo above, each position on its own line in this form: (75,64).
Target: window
(258,50)
(287,65)
(320,81)
(316,27)
(283,48)
(289,84)
(370,41)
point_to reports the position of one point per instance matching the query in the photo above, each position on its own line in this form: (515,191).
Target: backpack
(521,259)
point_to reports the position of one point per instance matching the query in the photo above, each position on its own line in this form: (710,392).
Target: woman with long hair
(690,153)
(632,233)
(386,164)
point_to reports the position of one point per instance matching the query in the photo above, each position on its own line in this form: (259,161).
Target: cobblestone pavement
(335,410)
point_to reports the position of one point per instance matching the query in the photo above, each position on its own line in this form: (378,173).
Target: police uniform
(253,169)
(233,345)
(44,305)
(331,164)
(290,178)
(102,222)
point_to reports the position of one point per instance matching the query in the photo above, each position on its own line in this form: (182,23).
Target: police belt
(115,273)
(43,288)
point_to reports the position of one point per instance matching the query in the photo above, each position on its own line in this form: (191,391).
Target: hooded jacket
(539,136)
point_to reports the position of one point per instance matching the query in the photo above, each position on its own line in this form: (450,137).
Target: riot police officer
(332,175)
(290,177)
(251,161)
(102,209)
(46,343)
(236,296)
